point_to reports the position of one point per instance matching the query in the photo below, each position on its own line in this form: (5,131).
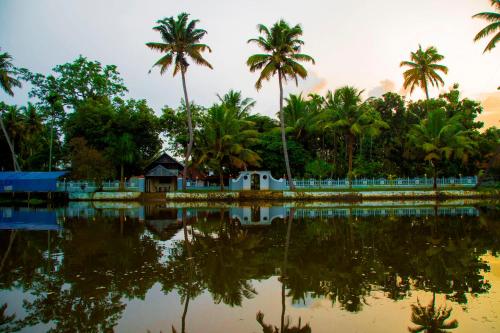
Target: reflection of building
(28,219)
(265,215)
(256,215)
(162,174)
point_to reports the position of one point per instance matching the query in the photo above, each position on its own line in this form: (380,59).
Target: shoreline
(285,196)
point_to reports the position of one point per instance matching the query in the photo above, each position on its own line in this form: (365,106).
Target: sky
(359,43)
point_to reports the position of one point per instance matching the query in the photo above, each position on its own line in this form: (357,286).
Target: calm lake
(313,267)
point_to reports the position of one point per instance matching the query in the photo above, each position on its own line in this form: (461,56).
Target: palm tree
(298,114)
(180,41)
(233,99)
(7,82)
(225,140)
(491,29)
(423,69)
(348,114)
(282,45)
(440,137)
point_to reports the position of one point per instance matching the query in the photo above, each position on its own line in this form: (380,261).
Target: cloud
(491,106)
(313,84)
(384,87)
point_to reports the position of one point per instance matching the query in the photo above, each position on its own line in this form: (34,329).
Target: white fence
(384,183)
(92,186)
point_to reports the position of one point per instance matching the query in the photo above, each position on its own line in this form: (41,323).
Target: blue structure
(28,219)
(18,181)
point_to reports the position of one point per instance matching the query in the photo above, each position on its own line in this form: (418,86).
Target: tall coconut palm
(440,137)
(348,114)
(7,82)
(491,29)
(180,41)
(423,70)
(282,46)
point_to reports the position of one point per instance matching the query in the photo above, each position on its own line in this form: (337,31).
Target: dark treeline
(98,134)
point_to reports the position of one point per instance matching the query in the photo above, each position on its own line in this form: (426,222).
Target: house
(161,175)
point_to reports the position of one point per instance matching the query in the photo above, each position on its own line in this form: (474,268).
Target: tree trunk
(434,186)
(9,143)
(221,180)
(122,183)
(51,139)
(190,129)
(283,136)
(426,90)
(350,147)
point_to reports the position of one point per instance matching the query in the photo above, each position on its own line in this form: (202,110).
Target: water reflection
(82,276)
(428,319)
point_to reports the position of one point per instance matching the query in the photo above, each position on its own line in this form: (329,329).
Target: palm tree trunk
(350,147)
(190,129)
(426,88)
(434,186)
(11,147)
(51,139)
(221,180)
(283,136)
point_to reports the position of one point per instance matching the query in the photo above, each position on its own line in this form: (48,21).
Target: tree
(122,150)
(353,118)
(7,82)
(491,29)
(181,39)
(89,163)
(75,82)
(282,45)
(440,138)
(224,141)
(7,79)
(234,100)
(423,70)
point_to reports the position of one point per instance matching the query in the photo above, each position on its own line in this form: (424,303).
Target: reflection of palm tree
(285,323)
(286,328)
(6,321)
(431,320)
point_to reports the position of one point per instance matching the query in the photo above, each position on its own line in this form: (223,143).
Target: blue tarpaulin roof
(31,175)
(18,181)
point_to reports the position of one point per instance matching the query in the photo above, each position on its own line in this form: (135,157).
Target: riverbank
(252,196)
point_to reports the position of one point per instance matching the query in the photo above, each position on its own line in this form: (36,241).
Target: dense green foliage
(83,98)
(80,109)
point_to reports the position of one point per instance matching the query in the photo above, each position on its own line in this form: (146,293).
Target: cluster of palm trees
(282,56)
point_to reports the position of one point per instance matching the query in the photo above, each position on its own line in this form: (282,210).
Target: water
(372,267)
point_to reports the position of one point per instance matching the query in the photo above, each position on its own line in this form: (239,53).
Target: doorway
(255,182)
